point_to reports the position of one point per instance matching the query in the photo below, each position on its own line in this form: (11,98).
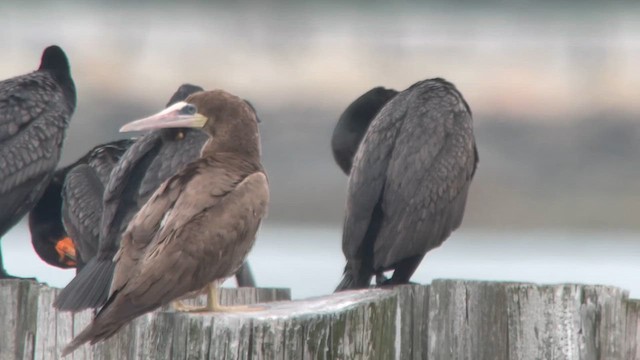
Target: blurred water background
(554,87)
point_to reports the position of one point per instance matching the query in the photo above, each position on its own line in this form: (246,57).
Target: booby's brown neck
(226,140)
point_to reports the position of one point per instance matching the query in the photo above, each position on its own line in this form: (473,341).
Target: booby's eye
(188,109)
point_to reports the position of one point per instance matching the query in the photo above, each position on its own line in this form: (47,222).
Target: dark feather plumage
(70,203)
(409,182)
(82,196)
(45,221)
(35,110)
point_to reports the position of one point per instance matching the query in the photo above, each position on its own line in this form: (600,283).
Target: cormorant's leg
(244,277)
(3,272)
(381,279)
(405,269)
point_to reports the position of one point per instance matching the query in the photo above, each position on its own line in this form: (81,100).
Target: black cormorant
(64,223)
(35,110)
(200,224)
(409,182)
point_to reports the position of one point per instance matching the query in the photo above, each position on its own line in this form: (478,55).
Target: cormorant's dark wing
(428,176)
(414,168)
(105,157)
(368,177)
(121,192)
(82,209)
(33,117)
(173,157)
(83,191)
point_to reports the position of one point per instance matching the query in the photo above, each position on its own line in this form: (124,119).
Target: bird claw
(239,308)
(180,307)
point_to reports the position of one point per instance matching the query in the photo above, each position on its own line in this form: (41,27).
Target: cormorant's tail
(354,277)
(89,289)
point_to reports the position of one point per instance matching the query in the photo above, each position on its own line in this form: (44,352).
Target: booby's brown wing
(207,243)
(182,239)
(211,217)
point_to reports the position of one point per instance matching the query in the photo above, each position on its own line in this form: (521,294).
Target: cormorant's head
(354,122)
(48,236)
(183,92)
(55,61)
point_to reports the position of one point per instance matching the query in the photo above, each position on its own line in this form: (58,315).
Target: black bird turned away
(409,181)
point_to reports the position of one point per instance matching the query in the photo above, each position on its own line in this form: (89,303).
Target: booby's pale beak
(178,115)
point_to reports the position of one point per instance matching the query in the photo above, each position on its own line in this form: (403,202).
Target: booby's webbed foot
(238,308)
(180,307)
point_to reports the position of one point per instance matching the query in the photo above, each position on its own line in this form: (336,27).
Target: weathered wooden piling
(450,319)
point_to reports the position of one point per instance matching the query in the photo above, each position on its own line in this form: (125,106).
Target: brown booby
(151,160)
(200,224)
(35,110)
(409,182)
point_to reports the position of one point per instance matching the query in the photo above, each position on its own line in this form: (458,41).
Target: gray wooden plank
(18,312)
(467,320)
(413,320)
(451,319)
(632,332)
(609,321)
